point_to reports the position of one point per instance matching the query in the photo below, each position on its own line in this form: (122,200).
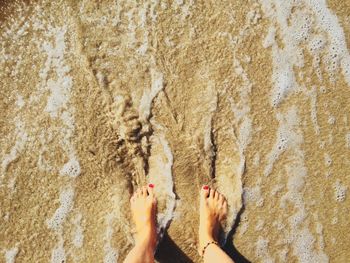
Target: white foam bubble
(338,54)
(131,28)
(290,139)
(11,184)
(152,12)
(10,255)
(60,88)
(331,120)
(278,224)
(313,105)
(20,143)
(327,160)
(259,225)
(333,240)
(7,216)
(284,59)
(269,40)
(284,80)
(20,101)
(243,224)
(66,205)
(208,144)
(319,231)
(229,170)
(58,254)
(71,168)
(287,136)
(296,25)
(347,140)
(283,254)
(304,243)
(296,182)
(253,195)
(297,218)
(253,16)
(317,43)
(141,22)
(300,236)
(245,132)
(339,191)
(241,110)
(310,23)
(261,250)
(256,159)
(334,220)
(160,173)
(277,188)
(59,95)
(150,94)
(42,163)
(111,254)
(78,235)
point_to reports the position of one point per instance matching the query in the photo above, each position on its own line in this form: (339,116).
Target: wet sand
(100,97)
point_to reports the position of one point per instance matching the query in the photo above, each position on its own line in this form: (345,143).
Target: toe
(138,193)
(212,193)
(150,189)
(144,191)
(217,195)
(221,199)
(205,191)
(224,205)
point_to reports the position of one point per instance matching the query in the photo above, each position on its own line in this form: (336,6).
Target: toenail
(151,185)
(205,187)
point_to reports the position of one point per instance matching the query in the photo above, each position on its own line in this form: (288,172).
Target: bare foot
(212,210)
(143,209)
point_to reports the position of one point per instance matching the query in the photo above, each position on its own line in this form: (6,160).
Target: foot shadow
(230,248)
(169,252)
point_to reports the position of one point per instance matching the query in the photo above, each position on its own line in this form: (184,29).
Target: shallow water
(100,97)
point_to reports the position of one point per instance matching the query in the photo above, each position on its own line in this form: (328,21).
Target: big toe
(150,189)
(205,191)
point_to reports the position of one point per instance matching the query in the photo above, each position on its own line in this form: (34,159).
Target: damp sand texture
(100,97)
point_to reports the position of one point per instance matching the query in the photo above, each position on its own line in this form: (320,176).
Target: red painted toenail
(205,187)
(151,185)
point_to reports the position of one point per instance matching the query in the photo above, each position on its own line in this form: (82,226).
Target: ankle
(210,235)
(145,250)
(146,243)
(208,238)
(146,239)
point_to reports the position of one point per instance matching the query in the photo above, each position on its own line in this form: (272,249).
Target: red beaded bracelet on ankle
(209,243)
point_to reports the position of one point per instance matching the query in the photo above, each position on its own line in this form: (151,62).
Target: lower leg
(141,253)
(213,253)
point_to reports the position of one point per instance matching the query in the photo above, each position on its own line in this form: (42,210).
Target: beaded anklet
(209,243)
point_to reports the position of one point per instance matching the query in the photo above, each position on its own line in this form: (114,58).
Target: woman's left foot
(212,211)
(143,209)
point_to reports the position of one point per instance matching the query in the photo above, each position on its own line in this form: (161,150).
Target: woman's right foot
(212,210)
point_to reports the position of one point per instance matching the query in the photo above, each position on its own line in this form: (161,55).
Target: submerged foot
(212,210)
(143,209)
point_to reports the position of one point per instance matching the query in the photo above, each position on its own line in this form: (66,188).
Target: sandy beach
(101,97)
